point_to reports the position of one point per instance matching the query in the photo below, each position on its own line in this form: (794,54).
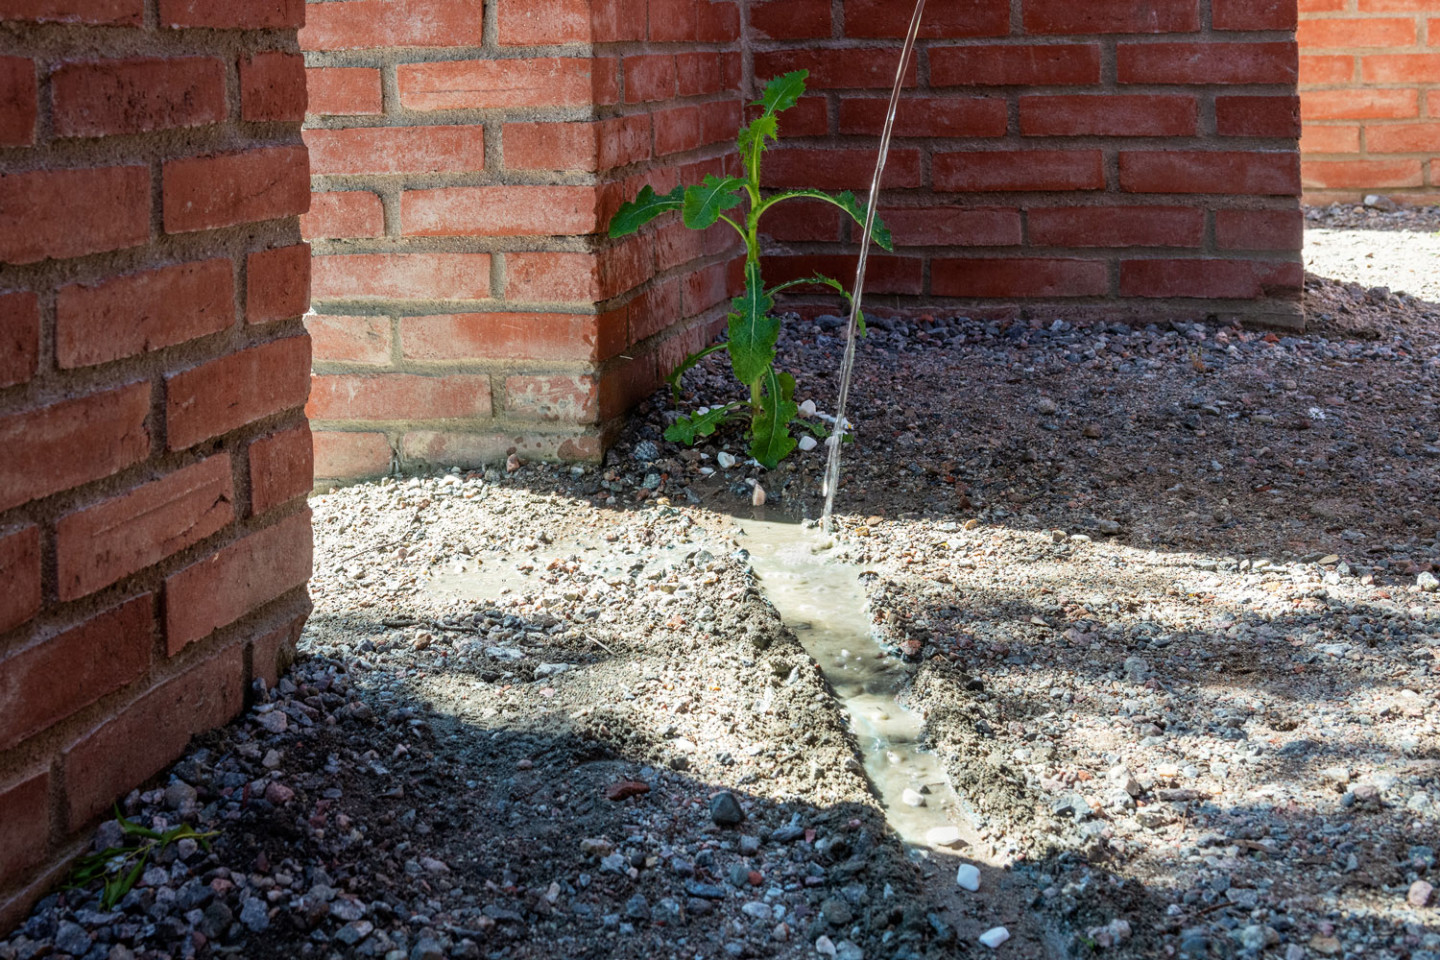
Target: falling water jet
(847,366)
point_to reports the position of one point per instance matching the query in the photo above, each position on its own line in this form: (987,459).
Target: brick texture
(1370,100)
(154,366)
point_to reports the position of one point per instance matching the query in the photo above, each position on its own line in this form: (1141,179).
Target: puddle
(825,604)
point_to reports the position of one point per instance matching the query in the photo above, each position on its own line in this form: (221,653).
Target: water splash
(847,366)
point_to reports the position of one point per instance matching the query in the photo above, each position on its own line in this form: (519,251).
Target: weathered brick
(49,680)
(927,116)
(885,274)
(102,544)
(504,211)
(1360,104)
(1277,117)
(1028,65)
(496,84)
(1363,174)
(266,183)
(1029,277)
(102,98)
(1076,17)
(115,13)
(1109,115)
(19,337)
(1422,137)
(1330,138)
(216,397)
(141,312)
(19,92)
(399,396)
(1400,68)
(588,146)
(346,456)
(1117,226)
(277,283)
(24,824)
(443,149)
(838,168)
(954,227)
(272,653)
(71,213)
(40,444)
(282,466)
(792,19)
(499,336)
(233,14)
(236,580)
(359,24)
(20,572)
(1351,32)
(1209,171)
(1007,170)
(1210,279)
(567,398)
(402,276)
(351,214)
(1259,229)
(272,87)
(1253,14)
(349,339)
(951,20)
(344,91)
(1208,62)
(856,68)
(134,745)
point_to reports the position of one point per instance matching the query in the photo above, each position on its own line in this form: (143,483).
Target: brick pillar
(154,539)
(466,163)
(1370,98)
(1053,157)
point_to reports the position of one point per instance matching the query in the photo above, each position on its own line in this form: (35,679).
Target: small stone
(807,443)
(944,837)
(626,789)
(824,946)
(1420,894)
(278,794)
(428,948)
(913,798)
(757,496)
(845,950)
(725,810)
(781,933)
(995,936)
(1092,431)
(1045,406)
(71,938)
(179,795)
(254,915)
(275,721)
(968,877)
(836,912)
(726,460)
(1428,583)
(1325,946)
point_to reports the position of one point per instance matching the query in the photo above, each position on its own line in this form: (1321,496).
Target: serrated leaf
(820,280)
(689,365)
(782,93)
(754,137)
(770,440)
(704,204)
(687,429)
(753,332)
(646,207)
(848,202)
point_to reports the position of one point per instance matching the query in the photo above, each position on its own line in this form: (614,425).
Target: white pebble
(913,798)
(758,497)
(807,409)
(824,946)
(993,938)
(726,460)
(808,443)
(944,837)
(968,876)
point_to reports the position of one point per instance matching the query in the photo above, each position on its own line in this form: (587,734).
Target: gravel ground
(1169,595)
(1340,243)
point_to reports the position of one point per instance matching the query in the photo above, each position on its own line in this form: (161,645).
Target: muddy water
(824,603)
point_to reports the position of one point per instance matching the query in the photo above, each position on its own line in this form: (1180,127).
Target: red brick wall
(466,163)
(1053,157)
(154,540)
(1370,97)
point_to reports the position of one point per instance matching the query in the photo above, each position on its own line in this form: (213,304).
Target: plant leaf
(753,332)
(782,93)
(117,887)
(689,365)
(820,280)
(770,431)
(132,829)
(687,429)
(646,207)
(704,204)
(848,202)
(754,136)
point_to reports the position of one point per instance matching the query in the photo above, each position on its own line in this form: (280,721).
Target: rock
(1045,406)
(968,877)
(427,948)
(1325,946)
(808,443)
(725,810)
(71,938)
(626,789)
(836,912)
(1420,894)
(637,907)
(1092,431)
(1428,583)
(781,933)
(353,933)
(275,721)
(944,837)
(726,460)
(995,936)
(179,795)
(824,946)
(254,915)
(278,794)
(913,798)
(845,950)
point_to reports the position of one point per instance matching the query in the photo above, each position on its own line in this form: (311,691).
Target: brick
(566,398)
(124,751)
(795,221)
(1350,33)
(1117,226)
(360,24)
(236,580)
(282,466)
(507,336)
(349,339)
(48,681)
(272,87)
(1210,279)
(40,444)
(399,396)
(141,312)
(1329,138)
(1109,115)
(344,91)
(505,211)
(677,130)
(19,337)
(216,397)
(855,68)
(114,13)
(19,105)
(792,19)
(1400,68)
(1207,63)
(927,116)
(1362,174)
(205,193)
(1322,6)
(1010,65)
(24,824)
(277,283)
(402,276)
(952,20)
(71,213)
(1199,171)
(447,149)
(233,15)
(273,653)
(1253,14)
(697,74)
(1375,104)
(20,572)
(884,274)
(1277,117)
(501,84)
(1074,17)
(103,98)
(654,311)
(718,21)
(649,78)
(1028,278)
(1007,170)
(1327,69)
(1404,137)
(102,544)
(673,21)
(525,23)
(838,168)
(348,456)
(586,146)
(954,227)
(1259,229)
(568,277)
(478,449)
(350,214)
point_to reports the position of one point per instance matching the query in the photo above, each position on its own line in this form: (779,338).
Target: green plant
(120,867)
(753,330)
